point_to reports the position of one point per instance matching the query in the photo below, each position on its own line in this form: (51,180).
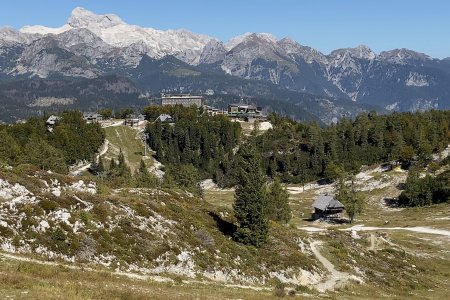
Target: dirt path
(335,278)
(373,242)
(413,229)
(135,276)
(357,228)
(83,168)
(113,124)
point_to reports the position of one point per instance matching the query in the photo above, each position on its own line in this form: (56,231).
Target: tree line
(303,152)
(194,139)
(70,140)
(425,191)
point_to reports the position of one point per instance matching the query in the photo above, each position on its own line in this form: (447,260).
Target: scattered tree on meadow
(349,197)
(433,167)
(144,178)
(250,200)
(185,177)
(278,202)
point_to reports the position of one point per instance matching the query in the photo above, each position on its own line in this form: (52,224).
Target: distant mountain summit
(115,32)
(91,46)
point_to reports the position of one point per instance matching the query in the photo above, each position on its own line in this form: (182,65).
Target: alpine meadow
(141,163)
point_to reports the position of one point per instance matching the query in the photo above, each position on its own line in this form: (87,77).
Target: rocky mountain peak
(251,37)
(360,52)
(213,51)
(81,17)
(79,36)
(289,45)
(309,54)
(403,56)
(10,36)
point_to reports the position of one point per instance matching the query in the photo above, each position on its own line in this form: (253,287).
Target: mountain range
(99,60)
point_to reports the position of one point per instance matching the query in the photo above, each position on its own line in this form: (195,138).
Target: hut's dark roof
(324,202)
(164,118)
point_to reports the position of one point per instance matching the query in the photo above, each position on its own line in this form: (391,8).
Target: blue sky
(423,26)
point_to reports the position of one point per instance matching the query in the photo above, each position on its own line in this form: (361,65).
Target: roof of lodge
(324,202)
(164,117)
(180,96)
(251,106)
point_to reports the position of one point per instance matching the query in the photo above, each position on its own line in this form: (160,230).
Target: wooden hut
(327,207)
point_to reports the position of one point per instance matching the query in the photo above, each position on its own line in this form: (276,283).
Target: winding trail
(357,228)
(83,168)
(335,278)
(418,229)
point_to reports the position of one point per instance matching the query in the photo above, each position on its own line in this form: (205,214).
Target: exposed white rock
(416,79)
(43,225)
(49,101)
(80,186)
(115,32)
(391,107)
(15,194)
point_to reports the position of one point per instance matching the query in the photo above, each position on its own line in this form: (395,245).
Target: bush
(280,290)
(48,205)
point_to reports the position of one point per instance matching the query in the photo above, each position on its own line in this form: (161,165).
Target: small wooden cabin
(327,207)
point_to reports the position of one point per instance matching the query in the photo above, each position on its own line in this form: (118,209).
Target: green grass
(126,138)
(220,198)
(28,280)
(414,266)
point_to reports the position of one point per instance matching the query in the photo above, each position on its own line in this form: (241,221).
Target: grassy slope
(25,280)
(199,228)
(126,138)
(388,271)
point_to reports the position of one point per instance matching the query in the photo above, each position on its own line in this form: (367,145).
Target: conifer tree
(112,164)
(100,166)
(122,168)
(278,202)
(250,199)
(144,178)
(39,153)
(352,200)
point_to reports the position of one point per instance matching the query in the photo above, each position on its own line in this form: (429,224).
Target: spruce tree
(144,178)
(250,199)
(122,168)
(278,202)
(352,200)
(100,166)
(112,164)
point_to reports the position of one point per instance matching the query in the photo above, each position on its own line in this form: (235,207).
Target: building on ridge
(181,99)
